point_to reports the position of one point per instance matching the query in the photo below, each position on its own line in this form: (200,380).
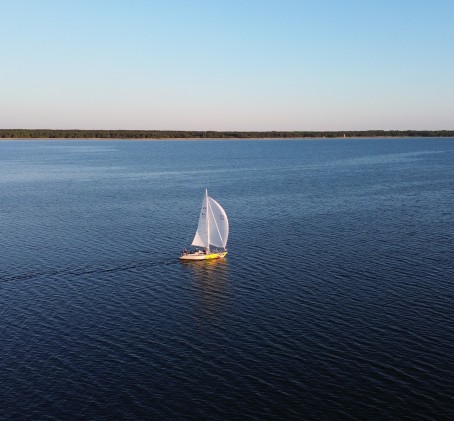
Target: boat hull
(201,256)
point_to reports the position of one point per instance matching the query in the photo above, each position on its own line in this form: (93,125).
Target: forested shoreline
(192,134)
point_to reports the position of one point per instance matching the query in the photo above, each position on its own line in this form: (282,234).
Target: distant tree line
(173,134)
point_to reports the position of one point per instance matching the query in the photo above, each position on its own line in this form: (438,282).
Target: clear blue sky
(227,64)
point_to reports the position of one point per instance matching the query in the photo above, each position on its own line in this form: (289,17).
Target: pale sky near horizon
(227,64)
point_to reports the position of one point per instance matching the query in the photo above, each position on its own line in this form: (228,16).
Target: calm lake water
(336,299)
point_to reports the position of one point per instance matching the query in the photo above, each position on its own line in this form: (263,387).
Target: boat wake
(85,270)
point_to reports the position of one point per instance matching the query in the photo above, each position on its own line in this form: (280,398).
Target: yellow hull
(201,256)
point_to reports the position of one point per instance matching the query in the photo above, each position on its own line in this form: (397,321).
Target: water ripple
(335,300)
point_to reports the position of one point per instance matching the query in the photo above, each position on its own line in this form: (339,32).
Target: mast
(206,221)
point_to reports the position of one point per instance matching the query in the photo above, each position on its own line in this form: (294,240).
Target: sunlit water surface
(336,299)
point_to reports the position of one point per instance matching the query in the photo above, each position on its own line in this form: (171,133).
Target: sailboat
(212,232)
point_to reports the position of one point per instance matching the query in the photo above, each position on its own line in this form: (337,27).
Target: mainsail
(213,228)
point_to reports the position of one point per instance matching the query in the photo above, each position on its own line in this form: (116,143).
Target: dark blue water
(336,299)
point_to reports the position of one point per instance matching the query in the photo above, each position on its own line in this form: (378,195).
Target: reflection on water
(211,286)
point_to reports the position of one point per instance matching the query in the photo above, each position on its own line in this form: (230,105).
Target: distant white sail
(213,228)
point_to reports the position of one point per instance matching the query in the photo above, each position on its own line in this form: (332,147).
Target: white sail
(213,228)
(201,235)
(218,223)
